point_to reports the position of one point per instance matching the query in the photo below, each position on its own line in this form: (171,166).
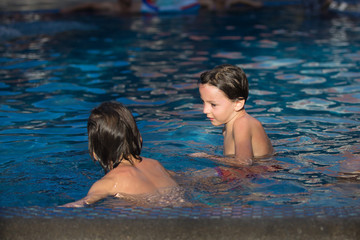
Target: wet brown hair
(113,135)
(228,78)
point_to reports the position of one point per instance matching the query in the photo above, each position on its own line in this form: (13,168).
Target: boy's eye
(213,105)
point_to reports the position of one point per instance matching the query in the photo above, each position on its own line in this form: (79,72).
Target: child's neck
(125,162)
(229,125)
(238,115)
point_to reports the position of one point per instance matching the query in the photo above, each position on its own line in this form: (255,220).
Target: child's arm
(228,160)
(242,140)
(99,190)
(243,148)
(243,156)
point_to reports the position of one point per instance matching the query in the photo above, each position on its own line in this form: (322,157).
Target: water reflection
(304,87)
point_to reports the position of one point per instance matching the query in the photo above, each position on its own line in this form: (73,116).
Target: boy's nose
(205,109)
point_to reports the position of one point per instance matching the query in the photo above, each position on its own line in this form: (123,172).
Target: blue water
(304,87)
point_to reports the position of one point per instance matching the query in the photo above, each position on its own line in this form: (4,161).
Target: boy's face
(217,106)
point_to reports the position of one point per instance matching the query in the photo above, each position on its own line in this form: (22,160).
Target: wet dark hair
(228,78)
(113,135)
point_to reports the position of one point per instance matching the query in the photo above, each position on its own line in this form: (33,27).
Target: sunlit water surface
(304,87)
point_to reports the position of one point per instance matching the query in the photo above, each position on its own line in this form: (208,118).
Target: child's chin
(215,123)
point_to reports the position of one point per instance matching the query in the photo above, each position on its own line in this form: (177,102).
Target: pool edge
(181,223)
(180,228)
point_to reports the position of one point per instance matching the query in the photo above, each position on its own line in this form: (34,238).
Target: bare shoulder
(152,167)
(250,126)
(247,121)
(123,175)
(150,161)
(123,172)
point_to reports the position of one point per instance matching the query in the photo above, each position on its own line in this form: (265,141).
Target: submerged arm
(243,156)
(228,160)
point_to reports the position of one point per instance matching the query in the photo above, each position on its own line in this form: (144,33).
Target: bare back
(148,176)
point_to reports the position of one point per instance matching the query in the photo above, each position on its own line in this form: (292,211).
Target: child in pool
(115,142)
(224,91)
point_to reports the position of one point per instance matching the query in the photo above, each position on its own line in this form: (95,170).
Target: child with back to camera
(224,91)
(115,142)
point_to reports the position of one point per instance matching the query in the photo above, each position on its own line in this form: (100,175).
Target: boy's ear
(239,104)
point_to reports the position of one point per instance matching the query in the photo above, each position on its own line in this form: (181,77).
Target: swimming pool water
(304,87)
